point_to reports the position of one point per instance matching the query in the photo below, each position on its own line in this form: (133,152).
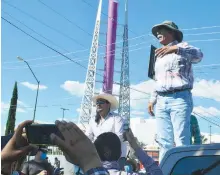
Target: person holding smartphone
(106,120)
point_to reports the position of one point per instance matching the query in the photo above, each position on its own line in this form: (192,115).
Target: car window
(203,165)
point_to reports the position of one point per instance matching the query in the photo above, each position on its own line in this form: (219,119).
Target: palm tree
(204,139)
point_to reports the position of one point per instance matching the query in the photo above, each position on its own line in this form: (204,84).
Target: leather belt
(173,91)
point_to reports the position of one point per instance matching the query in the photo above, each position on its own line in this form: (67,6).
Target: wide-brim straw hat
(171,25)
(110,98)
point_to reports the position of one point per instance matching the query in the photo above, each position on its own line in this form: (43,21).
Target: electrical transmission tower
(124,97)
(86,104)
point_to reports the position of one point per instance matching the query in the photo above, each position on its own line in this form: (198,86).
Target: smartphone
(39,134)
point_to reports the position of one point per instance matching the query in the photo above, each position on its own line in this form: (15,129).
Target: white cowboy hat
(110,98)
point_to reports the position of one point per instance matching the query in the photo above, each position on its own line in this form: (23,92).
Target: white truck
(192,160)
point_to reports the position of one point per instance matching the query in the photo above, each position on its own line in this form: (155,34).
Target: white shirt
(111,123)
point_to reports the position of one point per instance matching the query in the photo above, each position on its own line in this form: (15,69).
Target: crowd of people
(102,148)
(100,157)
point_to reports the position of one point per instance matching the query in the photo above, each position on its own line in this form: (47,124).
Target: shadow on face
(102,105)
(165,35)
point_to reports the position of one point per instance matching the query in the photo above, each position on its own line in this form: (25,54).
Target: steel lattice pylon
(124,97)
(86,104)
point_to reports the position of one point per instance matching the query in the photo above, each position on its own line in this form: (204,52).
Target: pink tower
(110,48)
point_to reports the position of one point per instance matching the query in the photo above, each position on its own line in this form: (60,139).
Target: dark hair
(108,146)
(132,163)
(97,118)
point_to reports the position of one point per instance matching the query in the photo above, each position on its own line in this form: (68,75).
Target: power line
(210,33)
(56,50)
(199,115)
(34,31)
(90,5)
(103,54)
(206,119)
(60,52)
(48,64)
(199,28)
(136,99)
(40,58)
(68,53)
(207,65)
(63,62)
(211,114)
(43,43)
(39,106)
(71,22)
(214,39)
(139,91)
(58,31)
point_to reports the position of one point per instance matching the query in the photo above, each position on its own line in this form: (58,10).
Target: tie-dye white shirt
(174,71)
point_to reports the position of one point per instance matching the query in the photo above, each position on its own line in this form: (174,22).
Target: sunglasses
(100,102)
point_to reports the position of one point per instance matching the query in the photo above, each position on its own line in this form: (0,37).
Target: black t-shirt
(33,167)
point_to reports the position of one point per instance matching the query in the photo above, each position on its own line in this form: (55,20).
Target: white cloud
(116,89)
(202,88)
(209,112)
(21,110)
(73,87)
(33,86)
(43,122)
(144,129)
(3,130)
(215,138)
(78,110)
(139,100)
(135,113)
(21,103)
(207,89)
(5,107)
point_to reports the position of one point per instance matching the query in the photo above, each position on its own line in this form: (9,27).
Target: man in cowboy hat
(174,82)
(106,120)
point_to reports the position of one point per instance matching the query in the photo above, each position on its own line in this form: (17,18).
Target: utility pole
(38,84)
(64,109)
(210,133)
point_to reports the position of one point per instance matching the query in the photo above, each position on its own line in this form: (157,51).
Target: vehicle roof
(198,148)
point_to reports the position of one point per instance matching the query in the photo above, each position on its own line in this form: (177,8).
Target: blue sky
(62,81)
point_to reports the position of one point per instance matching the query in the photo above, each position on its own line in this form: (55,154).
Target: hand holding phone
(39,134)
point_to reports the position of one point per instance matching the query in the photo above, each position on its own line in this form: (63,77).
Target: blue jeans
(173,113)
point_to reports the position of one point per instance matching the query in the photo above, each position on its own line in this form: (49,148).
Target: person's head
(102,106)
(131,165)
(56,158)
(41,154)
(105,103)
(167,32)
(108,146)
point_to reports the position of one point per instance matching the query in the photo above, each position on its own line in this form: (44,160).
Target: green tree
(12,112)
